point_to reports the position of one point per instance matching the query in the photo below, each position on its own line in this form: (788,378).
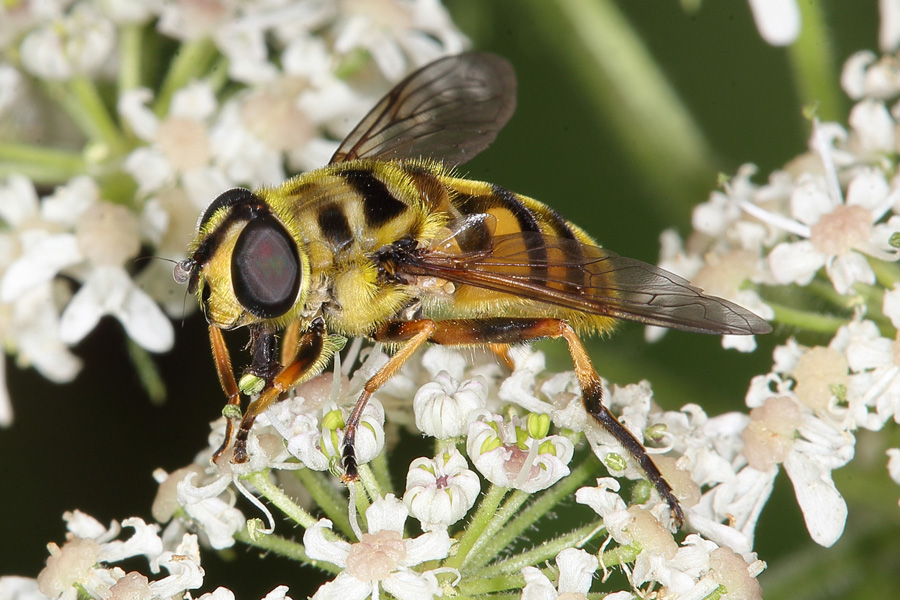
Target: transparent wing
(449,110)
(587,278)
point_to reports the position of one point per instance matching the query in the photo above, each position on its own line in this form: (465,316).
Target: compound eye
(265,268)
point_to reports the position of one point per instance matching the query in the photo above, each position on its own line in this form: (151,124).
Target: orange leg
(313,350)
(226,379)
(499,331)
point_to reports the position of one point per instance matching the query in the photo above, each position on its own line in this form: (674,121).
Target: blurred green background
(93,445)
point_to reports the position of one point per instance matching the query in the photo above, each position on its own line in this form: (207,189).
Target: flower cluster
(822,230)
(262,88)
(529,459)
(254,90)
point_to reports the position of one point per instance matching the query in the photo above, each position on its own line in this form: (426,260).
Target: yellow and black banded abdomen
(530,243)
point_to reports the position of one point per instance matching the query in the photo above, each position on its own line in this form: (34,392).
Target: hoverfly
(385,242)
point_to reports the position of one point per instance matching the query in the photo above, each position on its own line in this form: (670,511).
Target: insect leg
(414,333)
(311,354)
(511,331)
(226,378)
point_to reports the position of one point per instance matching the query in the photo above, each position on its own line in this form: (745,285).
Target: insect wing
(449,110)
(588,278)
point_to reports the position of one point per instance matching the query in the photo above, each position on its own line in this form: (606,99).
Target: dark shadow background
(93,445)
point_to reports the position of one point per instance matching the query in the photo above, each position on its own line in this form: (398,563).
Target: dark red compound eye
(265,268)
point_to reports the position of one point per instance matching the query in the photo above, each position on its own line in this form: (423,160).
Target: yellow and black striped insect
(385,242)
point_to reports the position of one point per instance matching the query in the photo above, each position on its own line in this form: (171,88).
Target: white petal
(576,569)
(15,587)
(18,201)
(145,541)
(134,110)
(889,29)
(220,593)
(778,21)
(891,306)
(853,75)
(741,343)
(869,187)
(109,290)
(194,101)
(279,593)
(386,513)
(150,169)
(874,127)
(847,269)
(45,256)
(824,509)
(318,547)
(345,587)
(408,585)
(893,463)
(431,545)
(6,409)
(185,569)
(145,322)
(810,199)
(80,316)
(795,262)
(537,586)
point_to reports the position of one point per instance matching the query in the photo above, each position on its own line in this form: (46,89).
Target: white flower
(441,491)
(97,239)
(216,516)
(14,587)
(866,76)
(179,150)
(722,265)
(519,387)
(183,565)
(894,463)
(388,32)
(809,466)
(319,443)
(576,568)
(84,561)
(778,21)
(837,234)
(80,43)
(518,453)
(444,407)
(382,559)
(816,380)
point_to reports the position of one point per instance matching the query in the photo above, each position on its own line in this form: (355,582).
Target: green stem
(367,477)
(362,503)
(486,510)
(812,60)
(190,62)
(96,121)
(619,556)
(282,502)
(805,320)
(148,372)
(287,548)
(327,497)
(887,273)
(655,128)
(506,512)
(131,38)
(823,288)
(382,474)
(40,164)
(478,588)
(535,511)
(538,554)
